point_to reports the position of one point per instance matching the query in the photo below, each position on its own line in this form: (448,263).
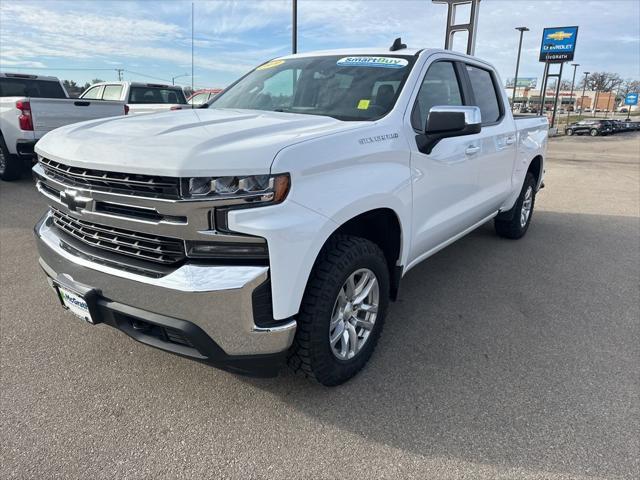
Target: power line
(66,68)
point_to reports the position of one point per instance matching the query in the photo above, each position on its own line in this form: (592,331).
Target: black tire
(569,132)
(593,132)
(311,352)
(509,224)
(10,165)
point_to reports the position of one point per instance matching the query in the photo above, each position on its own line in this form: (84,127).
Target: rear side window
(27,87)
(156,95)
(112,92)
(484,91)
(439,87)
(199,99)
(94,93)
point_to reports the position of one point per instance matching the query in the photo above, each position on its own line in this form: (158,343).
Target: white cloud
(232,36)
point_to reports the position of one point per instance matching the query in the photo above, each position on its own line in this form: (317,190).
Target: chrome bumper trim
(216,298)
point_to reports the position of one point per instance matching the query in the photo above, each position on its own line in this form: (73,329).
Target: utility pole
(573,82)
(294,26)
(584,87)
(515,79)
(192,34)
(119,70)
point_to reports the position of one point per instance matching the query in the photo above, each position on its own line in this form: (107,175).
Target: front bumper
(210,307)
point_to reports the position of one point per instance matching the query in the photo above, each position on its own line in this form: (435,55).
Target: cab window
(112,92)
(94,93)
(484,91)
(439,87)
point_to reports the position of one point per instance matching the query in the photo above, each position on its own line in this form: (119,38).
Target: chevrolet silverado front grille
(154,248)
(123,183)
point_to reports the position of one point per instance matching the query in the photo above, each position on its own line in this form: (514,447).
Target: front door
(444,181)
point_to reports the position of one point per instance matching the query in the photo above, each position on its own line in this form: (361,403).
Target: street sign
(631,99)
(523,82)
(558,44)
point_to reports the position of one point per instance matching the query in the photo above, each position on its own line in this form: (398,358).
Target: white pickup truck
(139,97)
(277,221)
(32,105)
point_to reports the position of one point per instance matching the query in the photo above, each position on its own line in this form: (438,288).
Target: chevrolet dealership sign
(558,44)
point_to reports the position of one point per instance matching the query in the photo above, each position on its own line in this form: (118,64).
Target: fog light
(228,250)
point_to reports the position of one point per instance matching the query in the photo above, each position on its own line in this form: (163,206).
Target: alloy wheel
(354,314)
(527,203)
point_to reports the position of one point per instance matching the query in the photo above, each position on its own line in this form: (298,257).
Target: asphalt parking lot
(502,359)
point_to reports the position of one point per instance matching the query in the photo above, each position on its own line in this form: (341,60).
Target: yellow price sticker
(363,104)
(271,64)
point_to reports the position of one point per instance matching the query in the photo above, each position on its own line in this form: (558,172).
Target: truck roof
(381,52)
(355,51)
(138,84)
(29,76)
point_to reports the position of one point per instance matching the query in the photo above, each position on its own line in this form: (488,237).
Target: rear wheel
(593,132)
(569,132)
(517,220)
(342,311)
(10,165)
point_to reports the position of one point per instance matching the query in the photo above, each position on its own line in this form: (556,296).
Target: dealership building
(529,97)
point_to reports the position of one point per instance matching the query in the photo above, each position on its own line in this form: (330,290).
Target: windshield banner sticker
(381,62)
(271,64)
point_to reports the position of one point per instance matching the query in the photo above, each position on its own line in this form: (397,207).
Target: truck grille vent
(143,246)
(125,183)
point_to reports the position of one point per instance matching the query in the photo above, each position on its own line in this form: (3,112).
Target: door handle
(471,150)
(510,141)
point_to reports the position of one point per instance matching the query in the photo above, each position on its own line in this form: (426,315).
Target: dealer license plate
(75,304)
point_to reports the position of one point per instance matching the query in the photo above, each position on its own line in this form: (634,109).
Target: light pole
(173,79)
(573,82)
(294,26)
(584,87)
(515,80)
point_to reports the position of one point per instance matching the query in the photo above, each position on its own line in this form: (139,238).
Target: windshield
(346,88)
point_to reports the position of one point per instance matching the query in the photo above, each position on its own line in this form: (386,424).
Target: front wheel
(342,311)
(519,217)
(569,132)
(594,132)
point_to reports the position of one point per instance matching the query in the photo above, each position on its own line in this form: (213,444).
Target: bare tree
(629,86)
(565,85)
(602,81)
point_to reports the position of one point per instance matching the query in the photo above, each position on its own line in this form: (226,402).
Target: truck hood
(199,142)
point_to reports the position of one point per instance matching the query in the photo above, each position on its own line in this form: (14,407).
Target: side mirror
(448,121)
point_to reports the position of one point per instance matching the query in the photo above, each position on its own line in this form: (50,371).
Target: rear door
(495,157)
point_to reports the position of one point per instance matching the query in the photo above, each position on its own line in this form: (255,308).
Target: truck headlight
(250,188)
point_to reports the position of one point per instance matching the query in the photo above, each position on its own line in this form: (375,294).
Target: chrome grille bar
(134,184)
(154,248)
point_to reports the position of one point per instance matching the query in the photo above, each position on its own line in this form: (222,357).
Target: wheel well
(535,167)
(382,227)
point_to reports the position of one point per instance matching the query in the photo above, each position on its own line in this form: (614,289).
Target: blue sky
(153,38)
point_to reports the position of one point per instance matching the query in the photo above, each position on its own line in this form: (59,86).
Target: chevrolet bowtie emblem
(560,35)
(73,200)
